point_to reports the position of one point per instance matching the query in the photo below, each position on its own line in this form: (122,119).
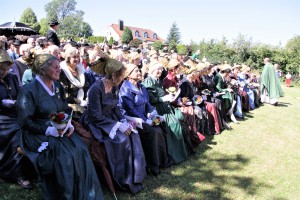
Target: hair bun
(30,57)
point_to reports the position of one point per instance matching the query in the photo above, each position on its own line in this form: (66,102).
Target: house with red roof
(145,35)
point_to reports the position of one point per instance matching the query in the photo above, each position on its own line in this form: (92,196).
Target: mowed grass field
(258,159)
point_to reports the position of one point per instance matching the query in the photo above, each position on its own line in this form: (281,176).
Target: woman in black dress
(11,162)
(62,161)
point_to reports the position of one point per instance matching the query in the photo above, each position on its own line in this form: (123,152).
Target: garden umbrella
(16,28)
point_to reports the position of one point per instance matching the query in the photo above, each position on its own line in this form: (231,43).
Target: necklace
(73,71)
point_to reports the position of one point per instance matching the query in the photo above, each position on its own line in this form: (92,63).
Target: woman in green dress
(177,140)
(221,86)
(62,161)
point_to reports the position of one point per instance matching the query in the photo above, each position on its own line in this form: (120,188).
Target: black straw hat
(53,22)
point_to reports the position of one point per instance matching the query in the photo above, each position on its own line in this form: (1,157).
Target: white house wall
(110,32)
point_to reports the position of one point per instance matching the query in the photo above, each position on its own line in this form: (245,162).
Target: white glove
(162,118)
(168,97)
(83,103)
(8,103)
(216,94)
(152,114)
(52,131)
(149,122)
(123,127)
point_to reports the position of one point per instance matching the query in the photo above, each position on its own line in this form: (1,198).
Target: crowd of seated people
(149,109)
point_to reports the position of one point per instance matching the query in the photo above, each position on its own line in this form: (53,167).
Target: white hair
(24,48)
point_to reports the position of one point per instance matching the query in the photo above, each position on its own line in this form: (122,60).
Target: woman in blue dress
(104,119)
(134,100)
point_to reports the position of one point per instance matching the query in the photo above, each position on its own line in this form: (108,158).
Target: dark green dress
(65,168)
(177,148)
(221,86)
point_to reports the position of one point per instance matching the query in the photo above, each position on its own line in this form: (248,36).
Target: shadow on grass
(202,176)
(248,115)
(283,104)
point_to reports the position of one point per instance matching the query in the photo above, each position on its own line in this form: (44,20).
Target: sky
(266,21)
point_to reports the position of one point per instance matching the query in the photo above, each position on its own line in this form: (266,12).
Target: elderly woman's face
(236,70)
(135,74)
(157,71)
(74,59)
(53,71)
(4,69)
(137,61)
(55,52)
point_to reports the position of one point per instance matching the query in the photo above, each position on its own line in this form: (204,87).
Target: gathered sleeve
(128,104)
(153,91)
(95,108)
(219,84)
(26,105)
(148,107)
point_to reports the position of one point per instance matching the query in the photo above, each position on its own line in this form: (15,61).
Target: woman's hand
(69,131)
(229,90)
(8,103)
(168,97)
(124,128)
(128,131)
(52,131)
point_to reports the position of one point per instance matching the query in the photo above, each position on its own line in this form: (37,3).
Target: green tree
(86,30)
(71,20)
(95,39)
(181,49)
(126,36)
(172,45)
(60,9)
(111,41)
(242,47)
(71,25)
(28,17)
(174,35)
(158,45)
(258,53)
(292,50)
(44,26)
(135,43)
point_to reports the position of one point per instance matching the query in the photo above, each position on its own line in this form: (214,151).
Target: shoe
(226,126)
(153,172)
(233,119)
(241,117)
(24,183)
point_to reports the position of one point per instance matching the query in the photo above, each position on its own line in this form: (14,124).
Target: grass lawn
(258,159)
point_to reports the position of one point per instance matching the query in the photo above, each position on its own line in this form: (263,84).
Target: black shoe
(226,126)
(240,117)
(153,172)
(24,183)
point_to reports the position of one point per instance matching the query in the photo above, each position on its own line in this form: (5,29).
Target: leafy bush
(158,45)
(135,43)
(181,49)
